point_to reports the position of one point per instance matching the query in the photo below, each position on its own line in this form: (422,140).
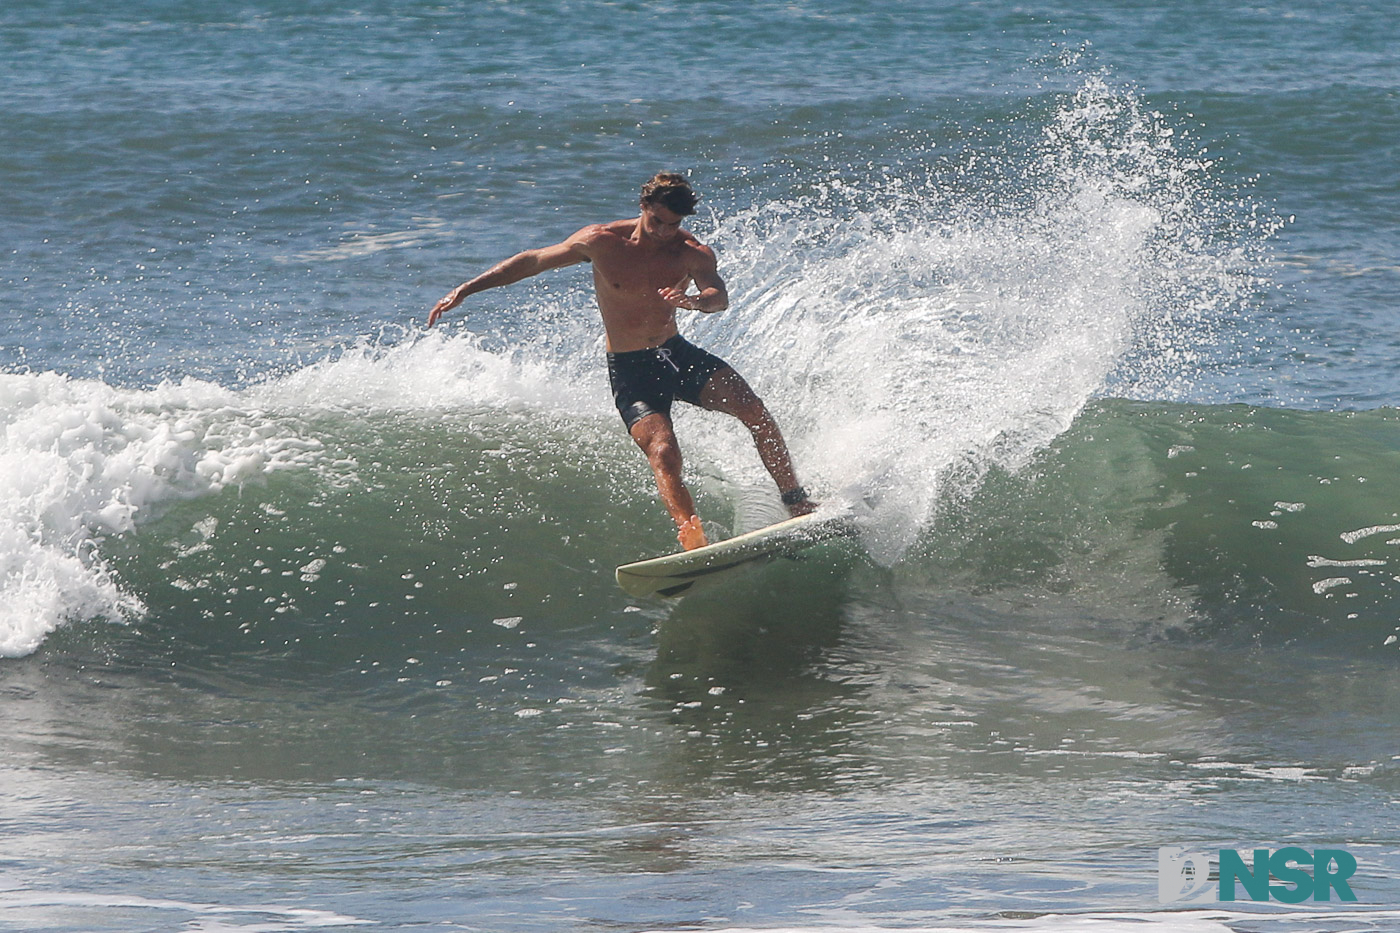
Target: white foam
(1351,537)
(358,244)
(445,369)
(81,460)
(1121,921)
(1200,921)
(212,918)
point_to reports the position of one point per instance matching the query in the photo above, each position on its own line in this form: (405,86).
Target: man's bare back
(643,269)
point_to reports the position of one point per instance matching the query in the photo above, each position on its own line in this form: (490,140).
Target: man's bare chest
(635,272)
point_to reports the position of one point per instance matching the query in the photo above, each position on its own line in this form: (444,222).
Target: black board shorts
(646,382)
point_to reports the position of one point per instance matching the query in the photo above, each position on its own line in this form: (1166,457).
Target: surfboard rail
(673,575)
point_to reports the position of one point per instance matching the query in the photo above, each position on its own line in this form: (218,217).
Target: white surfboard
(676,574)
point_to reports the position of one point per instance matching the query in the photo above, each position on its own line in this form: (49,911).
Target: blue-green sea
(307,617)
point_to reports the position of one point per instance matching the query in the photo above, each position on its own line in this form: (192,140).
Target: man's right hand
(451,300)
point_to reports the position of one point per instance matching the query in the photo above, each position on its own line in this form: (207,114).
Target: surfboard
(674,575)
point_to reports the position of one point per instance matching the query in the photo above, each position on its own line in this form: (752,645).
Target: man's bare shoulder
(697,253)
(602,236)
(623,228)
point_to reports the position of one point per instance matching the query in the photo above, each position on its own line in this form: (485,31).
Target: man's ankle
(797,502)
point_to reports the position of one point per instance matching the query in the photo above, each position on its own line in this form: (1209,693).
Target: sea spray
(918,322)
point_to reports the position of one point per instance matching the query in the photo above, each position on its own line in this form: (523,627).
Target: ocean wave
(251,511)
(919,329)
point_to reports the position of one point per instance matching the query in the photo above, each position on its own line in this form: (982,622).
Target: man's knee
(751,410)
(659,445)
(737,399)
(663,453)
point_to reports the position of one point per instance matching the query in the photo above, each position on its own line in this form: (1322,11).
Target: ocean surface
(307,618)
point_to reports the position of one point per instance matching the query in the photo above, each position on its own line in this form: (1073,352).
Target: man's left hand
(679,299)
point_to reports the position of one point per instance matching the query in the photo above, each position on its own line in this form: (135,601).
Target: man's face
(660,222)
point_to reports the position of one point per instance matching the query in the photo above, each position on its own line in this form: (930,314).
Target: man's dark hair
(672,191)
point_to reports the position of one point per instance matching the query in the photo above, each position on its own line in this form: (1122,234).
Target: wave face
(193,505)
(1221,522)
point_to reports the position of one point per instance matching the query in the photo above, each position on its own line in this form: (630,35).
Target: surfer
(643,268)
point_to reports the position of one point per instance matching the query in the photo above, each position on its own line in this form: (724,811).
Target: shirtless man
(642,271)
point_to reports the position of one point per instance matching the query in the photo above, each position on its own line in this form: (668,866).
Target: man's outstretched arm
(520,266)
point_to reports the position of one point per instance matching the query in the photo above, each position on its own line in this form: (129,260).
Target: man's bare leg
(727,392)
(657,438)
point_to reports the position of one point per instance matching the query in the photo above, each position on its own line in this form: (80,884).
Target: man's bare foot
(691,535)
